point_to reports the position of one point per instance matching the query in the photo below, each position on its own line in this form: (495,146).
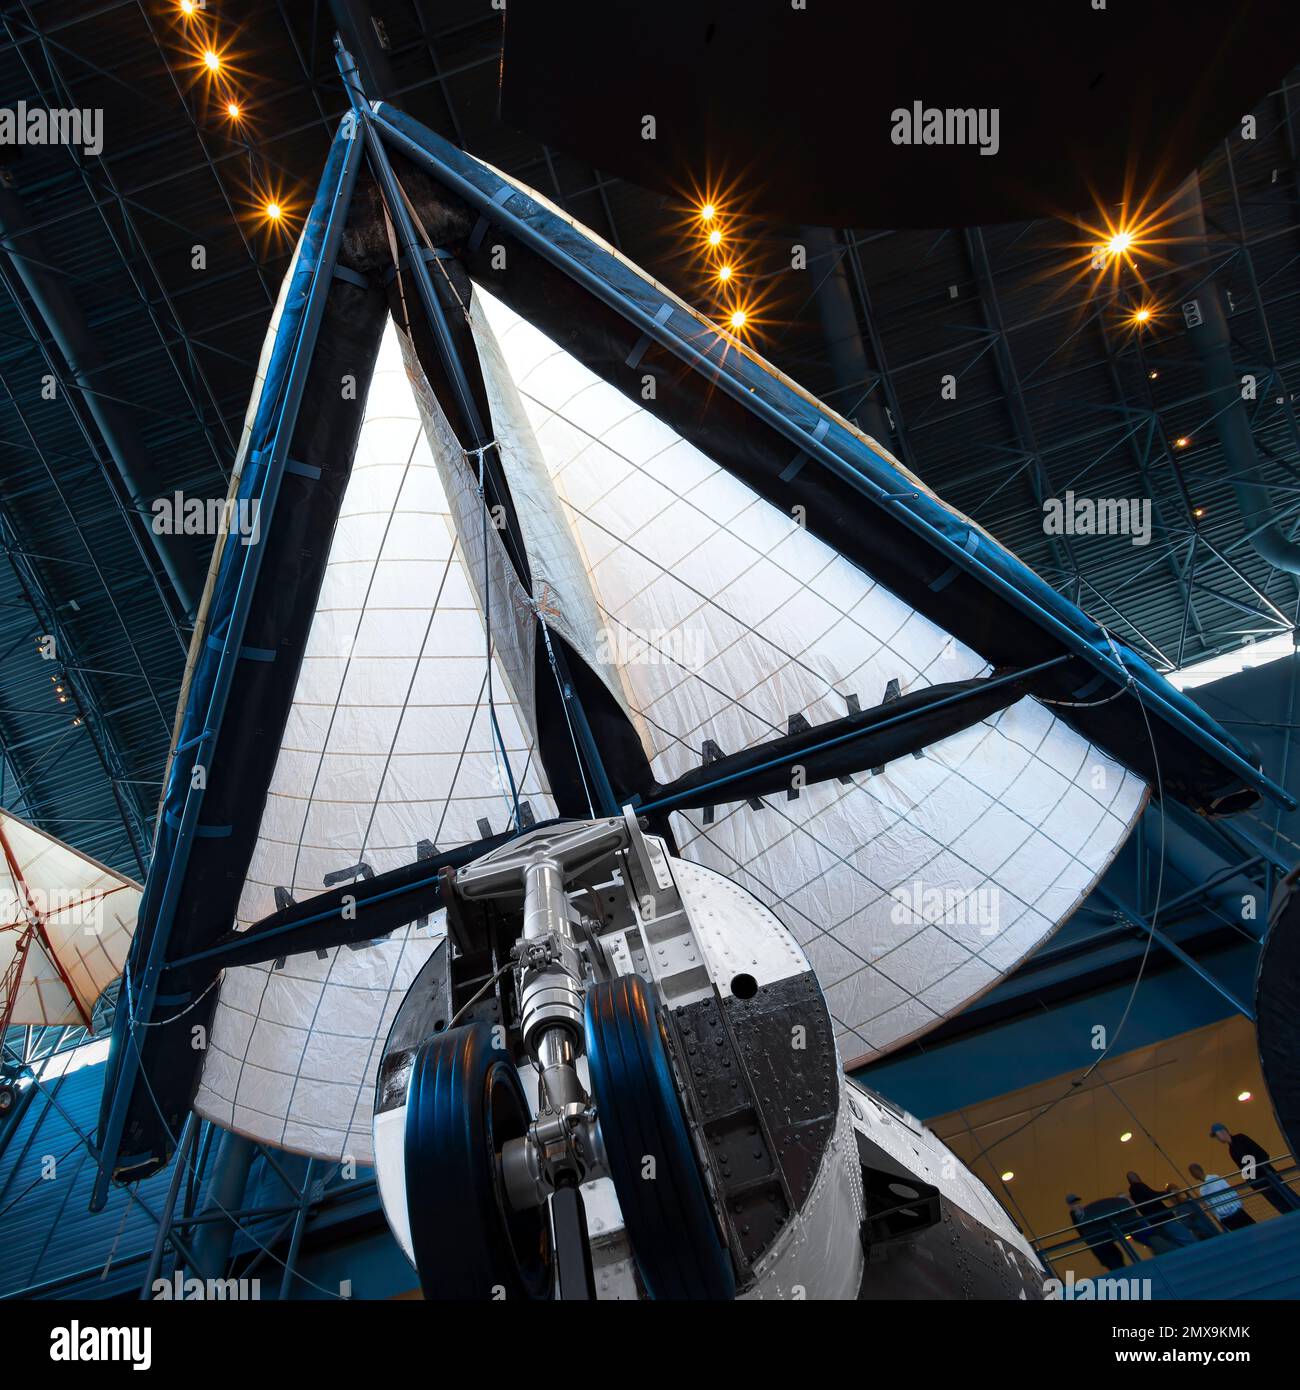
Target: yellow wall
(1166,1096)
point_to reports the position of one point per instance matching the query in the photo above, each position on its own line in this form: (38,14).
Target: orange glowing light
(212,60)
(708,212)
(274,209)
(233,110)
(1142,315)
(1120,242)
(1181,442)
(715,237)
(724,273)
(739,318)
(1119,245)
(1245,1095)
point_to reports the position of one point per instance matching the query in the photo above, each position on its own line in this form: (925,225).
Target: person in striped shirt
(1220,1200)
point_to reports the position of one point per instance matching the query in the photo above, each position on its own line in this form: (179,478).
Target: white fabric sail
(388,752)
(65,927)
(716,621)
(912,891)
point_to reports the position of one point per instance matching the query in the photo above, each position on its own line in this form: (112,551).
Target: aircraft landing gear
(648,1148)
(464,1105)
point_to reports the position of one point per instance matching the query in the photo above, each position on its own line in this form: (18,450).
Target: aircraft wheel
(666,1205)
(464,1101)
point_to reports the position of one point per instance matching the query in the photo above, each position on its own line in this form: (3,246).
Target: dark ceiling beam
(1014,395)
(855,381)
(82,700)
(356,24)
(66,324)
(1141,456)
(892,398)
(1211,341)
(60,481)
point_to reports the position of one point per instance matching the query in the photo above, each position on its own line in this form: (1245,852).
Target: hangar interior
(1005,362)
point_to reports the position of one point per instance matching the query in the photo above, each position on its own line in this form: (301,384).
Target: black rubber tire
(670,1219)
(463,1102)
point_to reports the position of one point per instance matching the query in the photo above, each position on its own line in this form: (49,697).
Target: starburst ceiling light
(1120,242)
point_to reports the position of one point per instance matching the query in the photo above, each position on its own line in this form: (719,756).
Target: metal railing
(1184,1218)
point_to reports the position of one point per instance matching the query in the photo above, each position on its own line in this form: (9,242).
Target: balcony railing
(1185,1218)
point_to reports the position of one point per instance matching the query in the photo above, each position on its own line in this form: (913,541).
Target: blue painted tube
(171,855)
(669,803)
(837,449)
(1177,952)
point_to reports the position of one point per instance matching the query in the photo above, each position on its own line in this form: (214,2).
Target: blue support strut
(166,877)
(709,350)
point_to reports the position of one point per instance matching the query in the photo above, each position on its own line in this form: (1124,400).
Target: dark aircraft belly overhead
(796,103)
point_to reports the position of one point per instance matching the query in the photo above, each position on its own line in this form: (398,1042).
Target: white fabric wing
(388,752)
(70,919)
(911,891)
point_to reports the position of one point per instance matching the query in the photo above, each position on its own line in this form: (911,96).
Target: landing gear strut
(493,1192)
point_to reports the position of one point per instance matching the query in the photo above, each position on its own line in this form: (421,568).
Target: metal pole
(1176,951)
(295,1240)
(455,369)
(276,455)
(1197,968)
(212,1240)
(181,1166)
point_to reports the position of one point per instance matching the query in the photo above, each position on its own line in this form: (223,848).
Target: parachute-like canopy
(65,927)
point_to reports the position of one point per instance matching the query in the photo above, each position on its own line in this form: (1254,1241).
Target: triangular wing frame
(763,428)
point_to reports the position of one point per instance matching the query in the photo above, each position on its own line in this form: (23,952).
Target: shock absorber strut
(562,1147)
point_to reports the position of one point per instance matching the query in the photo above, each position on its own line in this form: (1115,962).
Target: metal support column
(213,1238)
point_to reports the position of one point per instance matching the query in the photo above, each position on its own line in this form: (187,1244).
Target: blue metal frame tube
(668,803)
(712,360)
(139,1004)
